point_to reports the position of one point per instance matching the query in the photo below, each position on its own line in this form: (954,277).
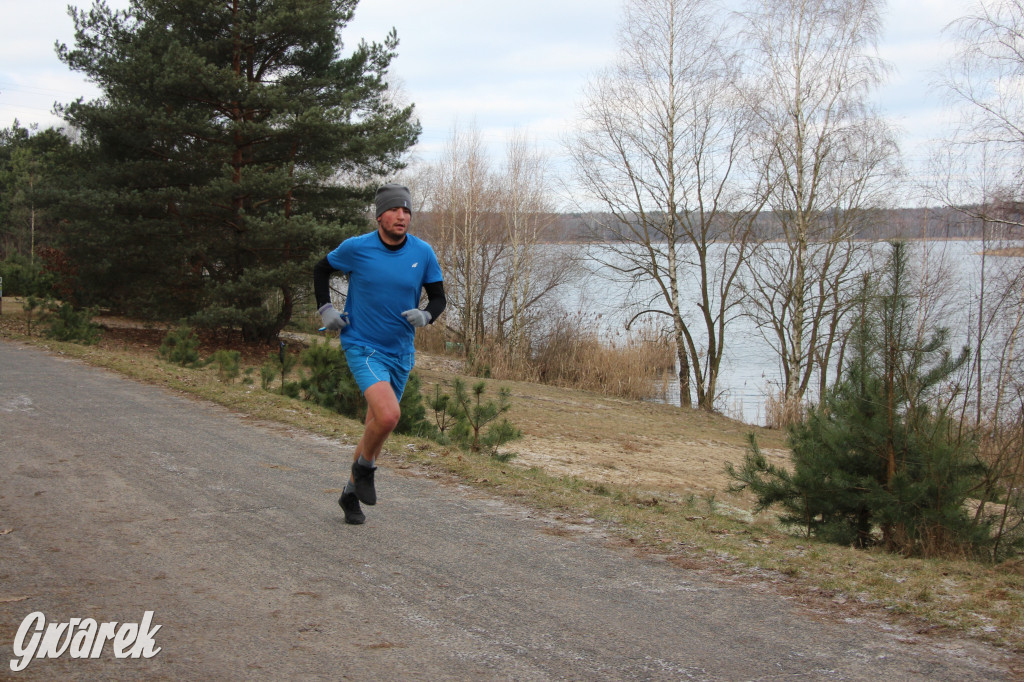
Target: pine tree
(207,179)
(472,414)
(878,462)
(25,167)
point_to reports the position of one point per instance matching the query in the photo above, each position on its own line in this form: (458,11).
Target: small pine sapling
(443,416)
(228,364)
(181,346)
(472,414)
(278,364)
(67,323)
(31,305)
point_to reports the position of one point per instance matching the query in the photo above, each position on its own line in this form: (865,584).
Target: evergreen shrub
(65,322)
(878,461)
(181,347)
(23,278)
(476,426)
(228,364)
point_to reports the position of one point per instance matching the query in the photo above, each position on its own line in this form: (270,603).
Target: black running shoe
(362,476)
(350,505)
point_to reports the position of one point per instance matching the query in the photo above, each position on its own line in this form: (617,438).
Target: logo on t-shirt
(415,264)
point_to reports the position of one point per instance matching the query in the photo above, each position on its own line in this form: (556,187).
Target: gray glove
(416,317)
(333,320)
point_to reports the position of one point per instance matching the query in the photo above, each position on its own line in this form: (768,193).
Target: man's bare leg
(382,414)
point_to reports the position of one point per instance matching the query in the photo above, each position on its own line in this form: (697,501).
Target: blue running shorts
(370,366)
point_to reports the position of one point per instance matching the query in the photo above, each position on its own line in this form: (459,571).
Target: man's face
(393,223)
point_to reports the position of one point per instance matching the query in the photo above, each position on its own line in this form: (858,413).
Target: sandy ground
(609,440)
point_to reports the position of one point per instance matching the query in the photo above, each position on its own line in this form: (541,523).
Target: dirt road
(118,498)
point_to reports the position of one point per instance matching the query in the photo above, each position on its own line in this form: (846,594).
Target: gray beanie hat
(392,196)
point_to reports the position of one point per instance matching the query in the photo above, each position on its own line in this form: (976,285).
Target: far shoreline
(1008,252)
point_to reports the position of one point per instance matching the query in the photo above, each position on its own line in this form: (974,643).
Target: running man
(387,270)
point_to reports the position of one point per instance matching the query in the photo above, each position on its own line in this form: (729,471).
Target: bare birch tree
(531,270)
(984,81)
(661,146)
(979,173)
(829,159)
(983,164)
(462,204)
(490,228)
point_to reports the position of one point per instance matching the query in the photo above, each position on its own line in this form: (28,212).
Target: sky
(499,66)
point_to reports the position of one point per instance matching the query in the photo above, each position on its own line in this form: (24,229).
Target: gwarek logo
(416,263)
(82,638)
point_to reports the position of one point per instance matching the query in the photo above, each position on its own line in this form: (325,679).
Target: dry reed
(572,355)
(781,412)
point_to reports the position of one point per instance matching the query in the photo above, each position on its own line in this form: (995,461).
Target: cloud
(505,66)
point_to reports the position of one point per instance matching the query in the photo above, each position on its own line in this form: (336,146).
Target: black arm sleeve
(322,272)
(436,300)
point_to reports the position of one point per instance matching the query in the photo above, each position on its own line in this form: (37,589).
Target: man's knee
(388,418)
(383,404)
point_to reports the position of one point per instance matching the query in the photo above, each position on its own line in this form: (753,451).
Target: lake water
(750,368)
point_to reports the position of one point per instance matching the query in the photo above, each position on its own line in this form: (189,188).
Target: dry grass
(781,412)
(613,440)
(651,475)
(571,354)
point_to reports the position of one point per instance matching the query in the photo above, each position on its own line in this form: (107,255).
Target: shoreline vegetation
(932,223)
(644,476)
(1015,252)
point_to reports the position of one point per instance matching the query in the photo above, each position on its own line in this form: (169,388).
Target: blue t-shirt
(382,284)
